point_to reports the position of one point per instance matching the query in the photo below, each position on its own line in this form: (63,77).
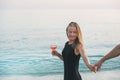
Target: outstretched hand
(92,68)
(98,65)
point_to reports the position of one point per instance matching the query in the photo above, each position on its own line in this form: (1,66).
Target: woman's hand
(92,68)
(54,53)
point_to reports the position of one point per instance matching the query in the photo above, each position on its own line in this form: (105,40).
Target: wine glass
(53,47)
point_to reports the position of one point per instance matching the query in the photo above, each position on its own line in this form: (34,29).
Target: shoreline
(102,75)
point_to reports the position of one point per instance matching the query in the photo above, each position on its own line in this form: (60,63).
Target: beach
(102,75)
(26,37)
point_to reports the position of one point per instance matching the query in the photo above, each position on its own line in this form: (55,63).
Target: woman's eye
(74,32)
(69,32)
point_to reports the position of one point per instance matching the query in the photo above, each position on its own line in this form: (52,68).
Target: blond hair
(79,39)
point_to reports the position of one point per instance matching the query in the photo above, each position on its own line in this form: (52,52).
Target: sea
(26,37)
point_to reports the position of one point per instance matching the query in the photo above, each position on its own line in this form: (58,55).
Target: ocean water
(26,37)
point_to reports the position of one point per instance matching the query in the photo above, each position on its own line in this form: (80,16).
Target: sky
(59,4)
(37,12)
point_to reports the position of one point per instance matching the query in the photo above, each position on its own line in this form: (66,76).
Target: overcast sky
(59,4)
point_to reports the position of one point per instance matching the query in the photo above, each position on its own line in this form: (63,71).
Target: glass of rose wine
(53,47)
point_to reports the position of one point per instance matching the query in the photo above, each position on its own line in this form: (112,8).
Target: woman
(73,50)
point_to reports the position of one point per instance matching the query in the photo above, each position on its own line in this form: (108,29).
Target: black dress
(71,63)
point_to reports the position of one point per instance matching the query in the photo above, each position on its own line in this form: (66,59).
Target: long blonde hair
(79,39)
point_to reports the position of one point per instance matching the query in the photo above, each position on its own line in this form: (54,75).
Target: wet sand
(102,75)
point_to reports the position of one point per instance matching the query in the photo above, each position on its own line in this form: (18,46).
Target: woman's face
(72,33)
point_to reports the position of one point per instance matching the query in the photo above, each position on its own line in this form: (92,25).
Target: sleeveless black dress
(71,63)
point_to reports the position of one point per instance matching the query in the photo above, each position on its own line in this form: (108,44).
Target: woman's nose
(72,34)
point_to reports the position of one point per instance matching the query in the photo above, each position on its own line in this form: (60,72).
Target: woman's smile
(72,33)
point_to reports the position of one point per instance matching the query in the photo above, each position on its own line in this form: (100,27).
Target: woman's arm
(86,60)
(55,53)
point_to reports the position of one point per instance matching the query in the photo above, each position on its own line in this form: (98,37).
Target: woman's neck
(70,42)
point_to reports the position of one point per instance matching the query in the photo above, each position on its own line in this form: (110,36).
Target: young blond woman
(73,50)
